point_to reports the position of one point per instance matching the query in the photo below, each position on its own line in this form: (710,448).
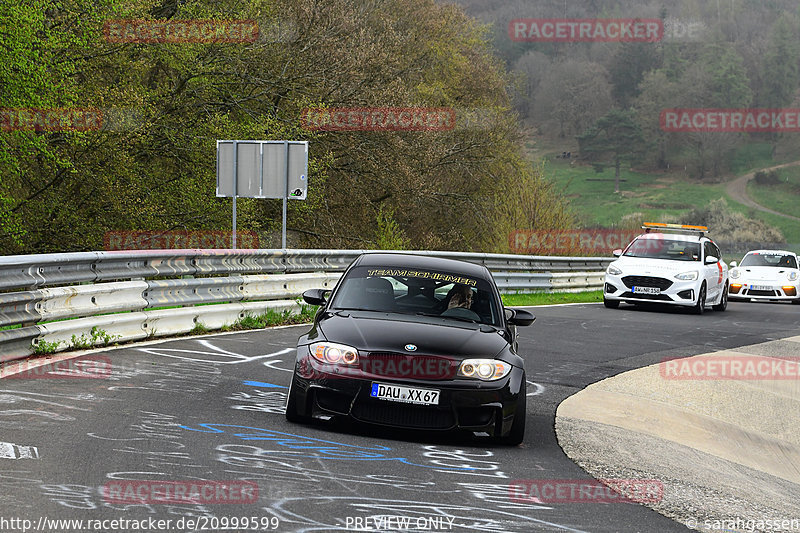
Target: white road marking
(15,451)
(538,391)
(215,355)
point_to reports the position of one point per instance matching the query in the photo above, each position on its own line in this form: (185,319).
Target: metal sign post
(235,190)
(262,169)
(285,195)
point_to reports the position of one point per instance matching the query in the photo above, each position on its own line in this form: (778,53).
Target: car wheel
(723,304)
(292,414)
(611,304)
(796,301)
(700,306)
(517,433)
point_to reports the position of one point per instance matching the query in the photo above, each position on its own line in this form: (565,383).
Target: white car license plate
(646,290)
(398,393)
(760,288)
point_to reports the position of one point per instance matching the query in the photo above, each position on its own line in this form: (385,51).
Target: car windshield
(655,248)
(769,260)
(421,292)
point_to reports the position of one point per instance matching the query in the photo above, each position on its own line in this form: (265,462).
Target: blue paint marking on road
(325,449)
(265,385)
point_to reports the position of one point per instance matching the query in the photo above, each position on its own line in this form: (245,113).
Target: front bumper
(464,404)
(766,290)
(671,291)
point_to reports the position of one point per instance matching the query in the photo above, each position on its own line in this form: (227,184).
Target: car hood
(384,332)
(764,273)
(640,266)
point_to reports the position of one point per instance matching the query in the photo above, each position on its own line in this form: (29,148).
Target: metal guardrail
(68,299)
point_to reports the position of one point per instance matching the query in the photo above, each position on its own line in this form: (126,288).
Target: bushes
(732,226)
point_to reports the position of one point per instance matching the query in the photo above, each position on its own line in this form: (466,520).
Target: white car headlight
(687,276)
(735,273)
(483,369)
(792,275)
(614,271)
(332,353)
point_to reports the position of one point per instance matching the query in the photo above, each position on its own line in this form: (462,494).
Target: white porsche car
(766,275)
(669,264)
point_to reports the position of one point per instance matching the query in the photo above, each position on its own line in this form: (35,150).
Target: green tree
(616,135)
(628,66)
(780,73)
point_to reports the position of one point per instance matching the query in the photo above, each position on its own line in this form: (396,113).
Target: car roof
(421,261)
(771,252)
(682,237)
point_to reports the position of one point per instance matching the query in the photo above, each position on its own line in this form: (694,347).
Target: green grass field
(662,197)
(546,298)
(659,197)
(783,196)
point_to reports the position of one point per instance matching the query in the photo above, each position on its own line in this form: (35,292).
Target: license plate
(646,290)
(760,288)
(398,393)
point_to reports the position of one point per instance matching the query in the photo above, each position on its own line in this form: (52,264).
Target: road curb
(723,448)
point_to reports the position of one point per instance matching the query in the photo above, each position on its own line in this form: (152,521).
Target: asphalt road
(211,408)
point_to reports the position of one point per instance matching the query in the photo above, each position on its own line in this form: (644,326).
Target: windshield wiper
(461,318)
(359,309)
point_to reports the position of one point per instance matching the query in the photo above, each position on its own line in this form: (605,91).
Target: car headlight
(332,353)
(792,275)
(484,369)
(614,271)
(687,276)
(734,274)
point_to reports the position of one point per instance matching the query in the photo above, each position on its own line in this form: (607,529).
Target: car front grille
(402,415)
(761,293)
(646,281)
(410,366)
(638,296)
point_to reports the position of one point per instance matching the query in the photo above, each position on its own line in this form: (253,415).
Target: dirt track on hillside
(737,190)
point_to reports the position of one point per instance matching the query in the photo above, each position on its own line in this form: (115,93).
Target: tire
(723,304)
(292,414)
(700,306)
(796,301)
(517,433)
(611,304)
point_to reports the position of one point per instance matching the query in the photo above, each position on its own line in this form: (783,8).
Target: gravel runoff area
(727,451)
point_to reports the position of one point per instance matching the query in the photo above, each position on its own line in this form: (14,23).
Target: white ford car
(669,264)
(766,275)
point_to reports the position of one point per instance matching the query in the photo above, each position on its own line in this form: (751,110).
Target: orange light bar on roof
(650,225)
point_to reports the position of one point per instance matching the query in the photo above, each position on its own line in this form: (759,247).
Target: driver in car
(460,302)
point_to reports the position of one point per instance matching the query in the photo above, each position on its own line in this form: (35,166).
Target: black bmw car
(413,341)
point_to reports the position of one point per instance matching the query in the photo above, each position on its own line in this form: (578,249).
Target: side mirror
(710,260)
(733,264)
(519,317)
(617,252)
(315,296)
